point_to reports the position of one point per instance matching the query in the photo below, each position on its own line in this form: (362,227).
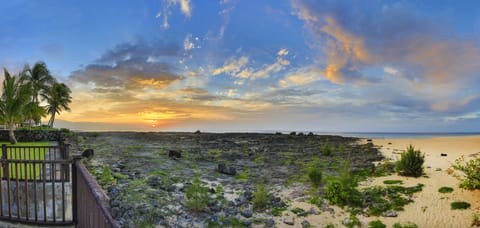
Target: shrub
(475,220)
(326,150)
(260,197)
(459,205)
(472,172)
(376,224)
(197,196)
(315,175)
(445,190)
(393,182)
(411,162)
(106,177)
(405,225)
(299,212)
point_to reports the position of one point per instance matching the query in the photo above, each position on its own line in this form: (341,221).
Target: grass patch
(393,182)
(445,189)
(376,224)
(405,225)
(459,205)
(26,171)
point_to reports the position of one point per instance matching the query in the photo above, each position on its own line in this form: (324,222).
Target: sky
(254,65)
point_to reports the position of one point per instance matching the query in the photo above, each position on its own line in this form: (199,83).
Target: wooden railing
(45,185)
(35,185)
(90,201)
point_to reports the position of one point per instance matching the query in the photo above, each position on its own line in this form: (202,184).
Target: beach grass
(27,171)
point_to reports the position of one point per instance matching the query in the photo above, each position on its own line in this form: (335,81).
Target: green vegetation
(353,222)
(197,196)
(26,171)
(471,169)
(243,175)
(19,103)
(326,150)
(459,205)
(376,224)
(384,169)
(445,189)
(475,220)
(411,162)
(393,182)
(315,175)
(405,225)
(278,211)
(260,197)
(388,198)
(299,212)
(342,190)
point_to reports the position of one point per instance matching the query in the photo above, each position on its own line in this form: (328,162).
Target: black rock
(222,168)
(305,224)
(88,153)
(247,213)
(269,223)
(174,154)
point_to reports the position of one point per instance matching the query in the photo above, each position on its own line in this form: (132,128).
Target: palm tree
(58,97)
(13,102)
(41,80)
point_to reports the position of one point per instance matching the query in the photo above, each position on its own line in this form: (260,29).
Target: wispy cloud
(185,8)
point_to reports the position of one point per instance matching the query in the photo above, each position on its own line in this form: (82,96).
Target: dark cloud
(141,49)
(130,74)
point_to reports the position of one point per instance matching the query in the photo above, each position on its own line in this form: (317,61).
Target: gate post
(75,159)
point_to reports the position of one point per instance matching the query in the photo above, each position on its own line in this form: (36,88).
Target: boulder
(174,154)
(88,153)
(222,168)
(289,220)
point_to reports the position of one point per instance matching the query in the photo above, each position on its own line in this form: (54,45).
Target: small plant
(445,189)
(242,176)
(315,175)
(278,211)
(329,225)
(326,150)
(475,220)
(197,196)
(471,169)
(411,162)
(352,221)
(393,182)
(106,176)
(405,225)
(376,224)
(260,197)
(459,205)
(299,212)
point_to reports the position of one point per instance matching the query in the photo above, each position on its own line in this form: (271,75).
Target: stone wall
(34,136)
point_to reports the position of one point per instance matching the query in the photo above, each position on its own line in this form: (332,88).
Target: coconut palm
(41,80)
(13,102)
(58,97)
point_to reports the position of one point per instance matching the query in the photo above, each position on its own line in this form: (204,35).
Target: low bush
(197,196)
(411,162)
(471,169)
(405,225)
(459,205)
(315,175)
(393,182)
(445,189)
(260,197)
(376,224)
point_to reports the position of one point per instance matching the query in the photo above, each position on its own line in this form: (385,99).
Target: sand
(430,208)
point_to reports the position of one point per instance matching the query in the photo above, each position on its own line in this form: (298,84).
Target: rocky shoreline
(146,174)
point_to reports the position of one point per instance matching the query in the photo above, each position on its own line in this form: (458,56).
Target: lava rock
(390,213)
(175,154)
(224,169)
(88,153)
(289,220)
(247,213)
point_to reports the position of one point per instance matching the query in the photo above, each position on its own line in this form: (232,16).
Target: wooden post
(75,162)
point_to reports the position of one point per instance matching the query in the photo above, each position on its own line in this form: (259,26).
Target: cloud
(232,66)
(185,8)
(139,49)
(391,35)
(300,77)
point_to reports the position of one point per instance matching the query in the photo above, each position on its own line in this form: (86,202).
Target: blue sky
(254,65)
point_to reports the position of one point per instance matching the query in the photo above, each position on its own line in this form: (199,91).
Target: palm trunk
(52,119)
(11,134)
